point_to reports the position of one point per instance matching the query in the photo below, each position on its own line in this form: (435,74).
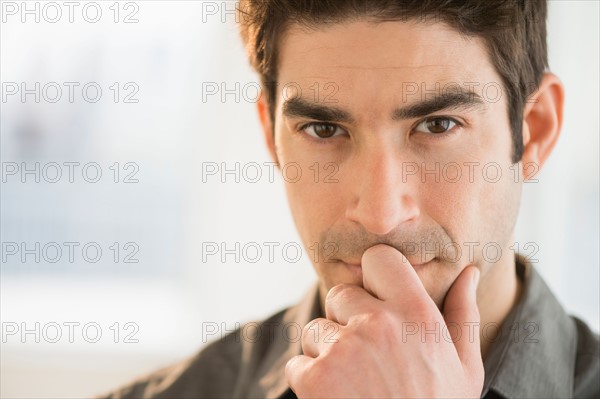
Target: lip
(414,265)
(428,261)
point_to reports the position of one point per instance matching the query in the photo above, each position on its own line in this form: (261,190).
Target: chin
(439,300)
(438,291)
(343,279)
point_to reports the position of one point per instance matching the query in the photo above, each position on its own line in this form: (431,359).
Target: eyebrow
(444,101)
(299,107)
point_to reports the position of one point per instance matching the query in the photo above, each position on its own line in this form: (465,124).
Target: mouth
(353,265)
(357,265)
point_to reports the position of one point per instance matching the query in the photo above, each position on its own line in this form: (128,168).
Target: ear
(542,121)
(267,127)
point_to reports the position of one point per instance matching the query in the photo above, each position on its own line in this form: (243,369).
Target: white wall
(170,212)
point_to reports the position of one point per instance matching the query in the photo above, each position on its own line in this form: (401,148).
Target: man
(419,122)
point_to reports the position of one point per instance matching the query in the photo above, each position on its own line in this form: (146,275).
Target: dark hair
(514,32)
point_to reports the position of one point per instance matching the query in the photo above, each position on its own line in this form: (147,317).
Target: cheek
(313,182)
(314,195)
(480,210)
(454,205)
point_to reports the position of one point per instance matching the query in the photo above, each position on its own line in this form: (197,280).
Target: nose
(381,201)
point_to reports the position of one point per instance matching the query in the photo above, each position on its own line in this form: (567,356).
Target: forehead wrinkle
(391,67)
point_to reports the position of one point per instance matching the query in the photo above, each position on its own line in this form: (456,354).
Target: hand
(389,339)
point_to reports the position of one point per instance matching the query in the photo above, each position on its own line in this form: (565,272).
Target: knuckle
(382,319)
(291,366)
(338,293)
(310,332)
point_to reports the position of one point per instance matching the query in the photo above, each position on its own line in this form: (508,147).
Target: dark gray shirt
(538,352)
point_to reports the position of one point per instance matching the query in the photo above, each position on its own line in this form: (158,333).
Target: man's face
(409,135)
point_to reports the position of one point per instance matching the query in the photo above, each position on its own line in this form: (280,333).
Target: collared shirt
(538,352)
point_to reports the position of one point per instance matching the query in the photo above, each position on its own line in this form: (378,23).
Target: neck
(498,291)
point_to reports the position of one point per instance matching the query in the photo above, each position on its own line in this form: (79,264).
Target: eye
(436,125)
(320,130)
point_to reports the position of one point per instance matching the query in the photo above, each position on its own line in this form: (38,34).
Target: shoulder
(212,372)
(587,362)
(204,374)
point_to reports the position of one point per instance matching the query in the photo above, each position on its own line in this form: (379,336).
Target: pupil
(324,131)
(438,125)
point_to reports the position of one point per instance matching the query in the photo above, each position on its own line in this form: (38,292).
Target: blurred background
(113,133)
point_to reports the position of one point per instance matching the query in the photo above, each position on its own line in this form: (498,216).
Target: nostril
(381,218)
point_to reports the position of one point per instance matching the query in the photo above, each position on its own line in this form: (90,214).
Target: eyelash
(301,128)
(435,136)
(439,136)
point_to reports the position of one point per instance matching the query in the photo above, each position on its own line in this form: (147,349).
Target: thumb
(462,317)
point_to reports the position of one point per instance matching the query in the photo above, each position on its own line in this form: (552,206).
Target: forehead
(379,58)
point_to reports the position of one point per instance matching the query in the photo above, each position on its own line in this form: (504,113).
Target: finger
(345,300)
(462,317)
(388,275)
(318,335)
(295,369)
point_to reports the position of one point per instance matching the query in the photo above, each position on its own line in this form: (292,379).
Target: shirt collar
(271,382)
(534,356)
